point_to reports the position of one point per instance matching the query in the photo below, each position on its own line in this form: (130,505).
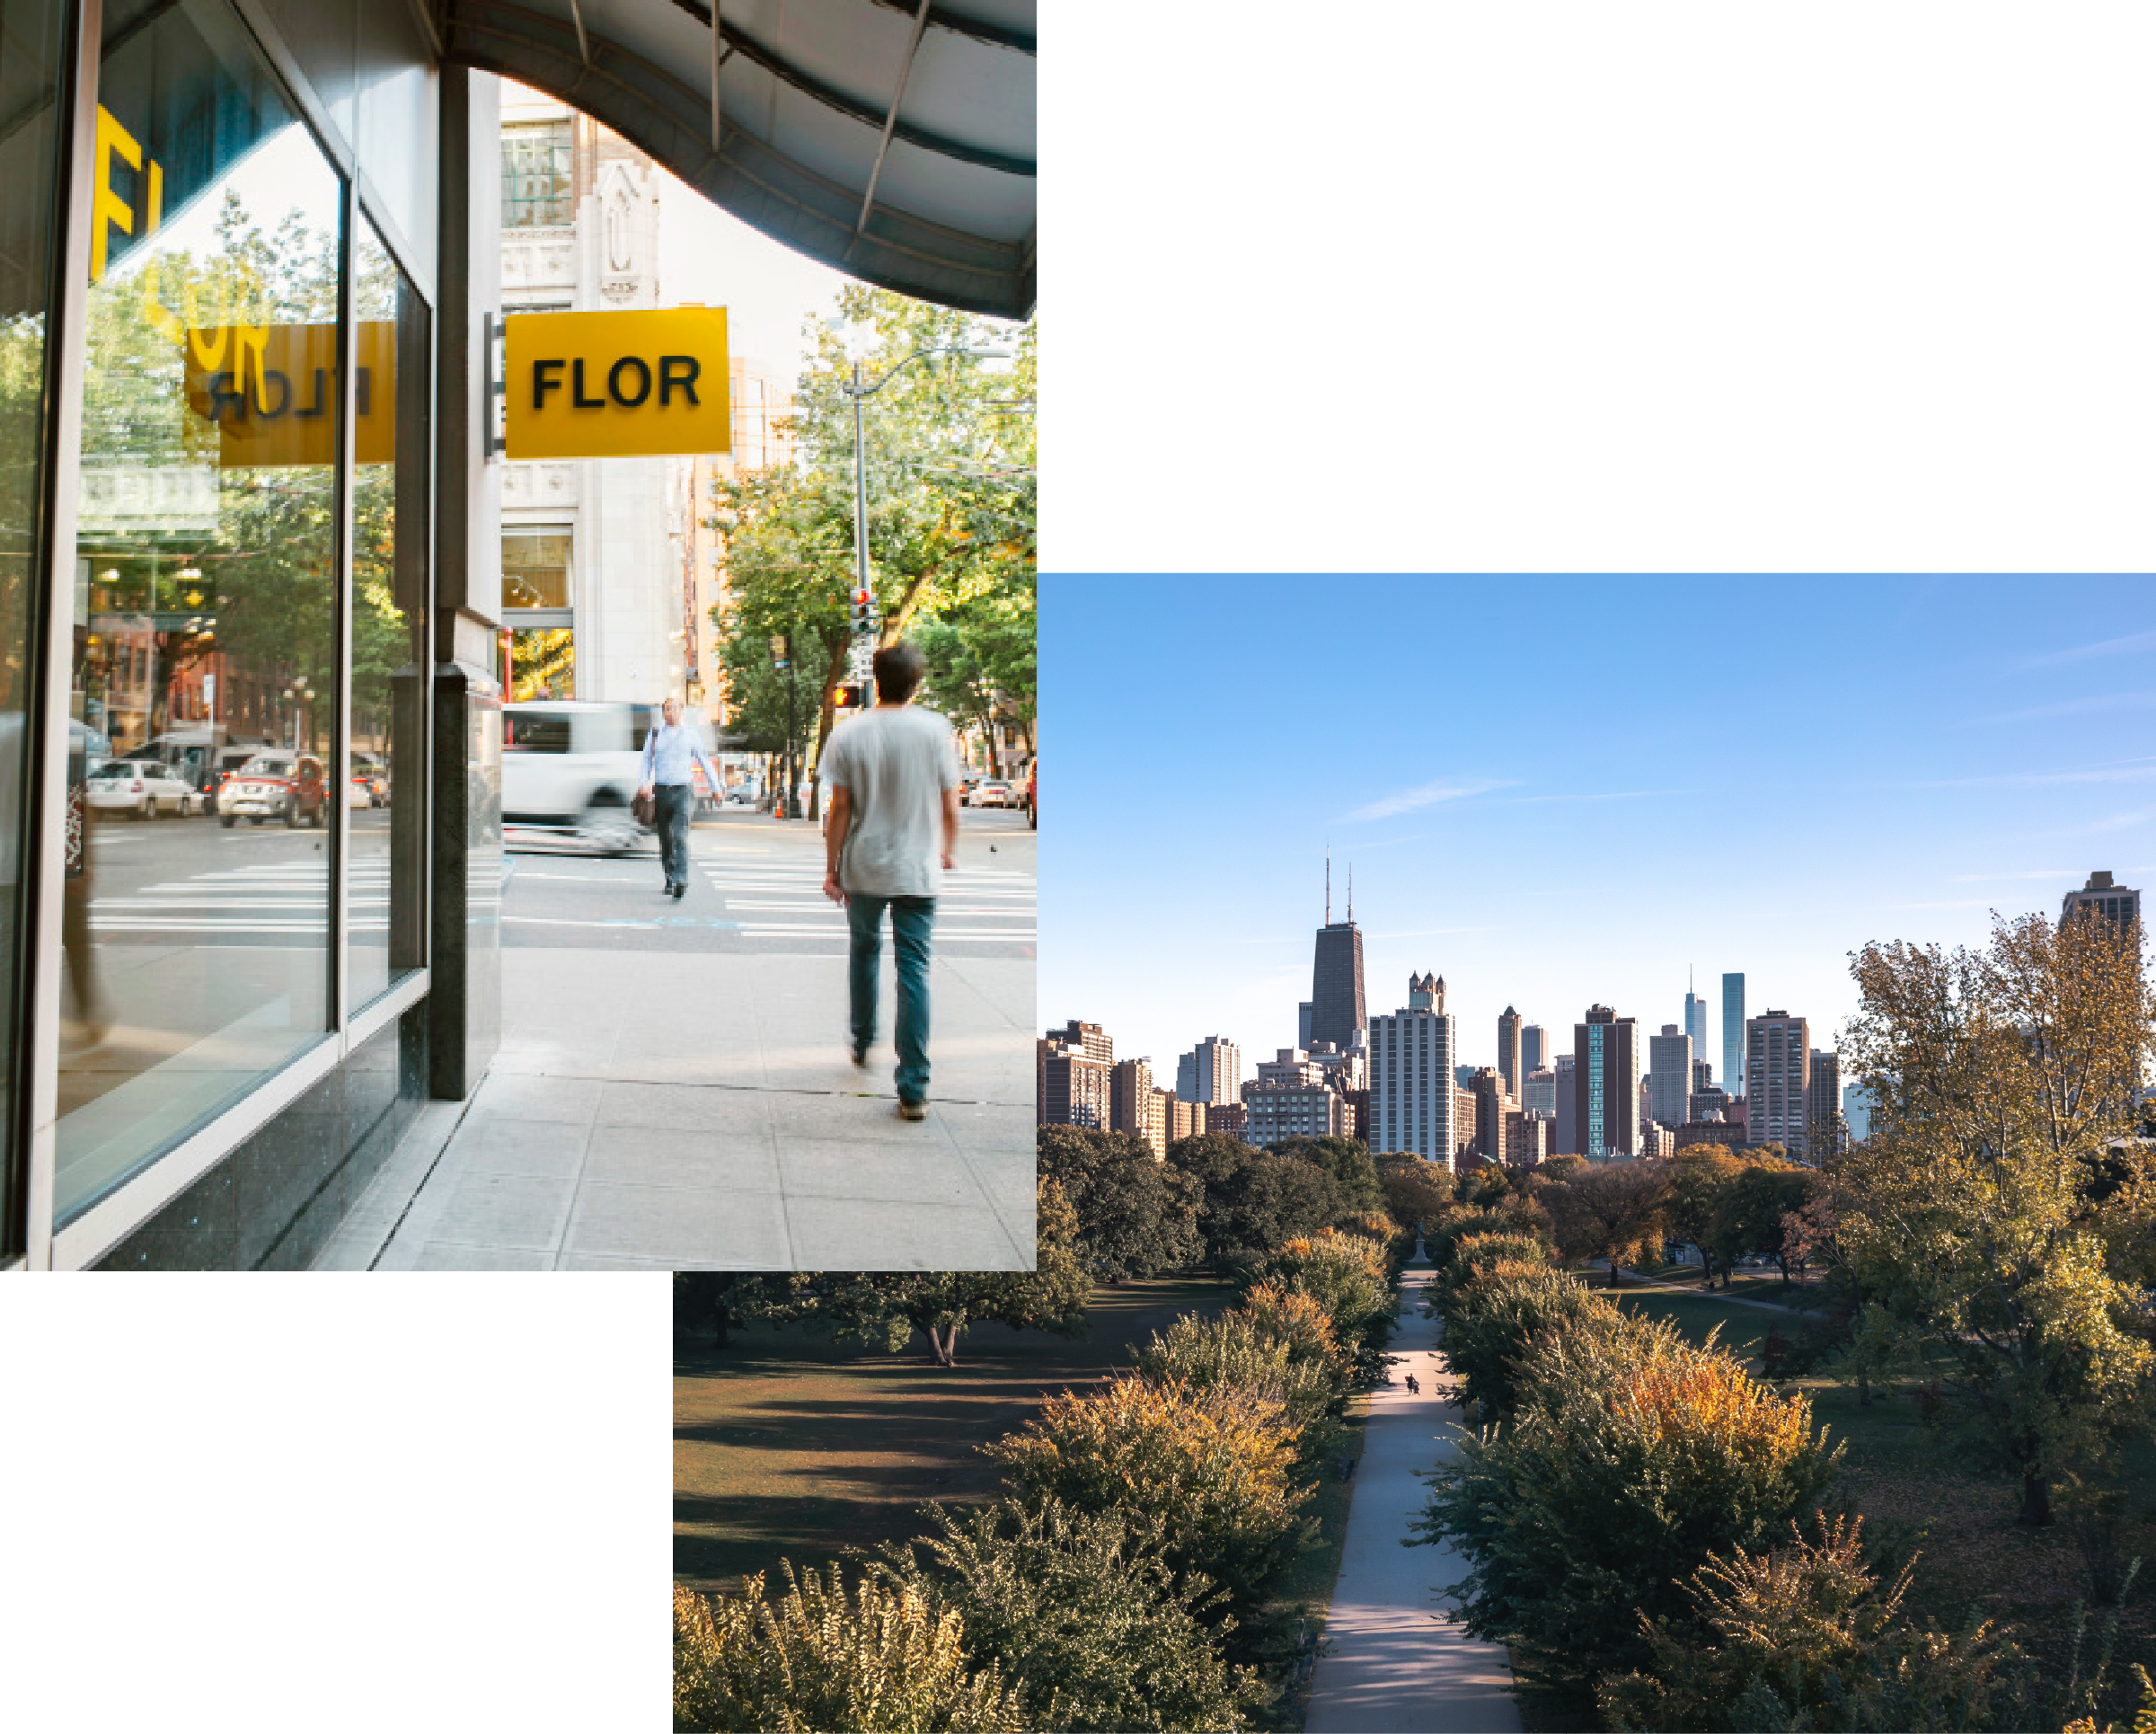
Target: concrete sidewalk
(662,1110)
(1392,1666)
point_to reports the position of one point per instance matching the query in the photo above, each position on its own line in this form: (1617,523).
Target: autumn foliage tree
(1212,1463)
(1629,1456)
(1993,1201)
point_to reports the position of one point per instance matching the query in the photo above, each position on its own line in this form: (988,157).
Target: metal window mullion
(46,844)
(340,742)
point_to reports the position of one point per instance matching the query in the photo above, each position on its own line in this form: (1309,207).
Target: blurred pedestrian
(894,777)
(672,751)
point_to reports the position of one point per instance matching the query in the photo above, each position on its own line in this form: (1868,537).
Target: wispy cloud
(1406,800)
(2095,704)
(2130,770)
(2102,647)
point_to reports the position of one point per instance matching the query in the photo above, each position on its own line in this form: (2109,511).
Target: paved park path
(1393,1668)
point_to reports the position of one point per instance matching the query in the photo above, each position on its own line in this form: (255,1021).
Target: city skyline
(1951,747)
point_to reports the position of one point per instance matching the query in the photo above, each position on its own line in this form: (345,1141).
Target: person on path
(671,753)
(894,778)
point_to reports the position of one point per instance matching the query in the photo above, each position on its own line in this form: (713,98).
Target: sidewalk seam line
(396,1227)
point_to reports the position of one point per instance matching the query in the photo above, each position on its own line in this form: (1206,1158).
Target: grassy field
(787,1445)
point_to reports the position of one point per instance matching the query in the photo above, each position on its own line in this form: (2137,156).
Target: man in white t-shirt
(894,778)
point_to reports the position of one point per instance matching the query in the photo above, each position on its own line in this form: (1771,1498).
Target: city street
(673,1089)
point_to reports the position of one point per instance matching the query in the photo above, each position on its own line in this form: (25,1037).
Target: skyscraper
(1607,1085)
(1823,1106)
(1509,1068)
(1412,1053)
(1210,1072)
(1131,1103)
(1695,1023)
(1732,1034)
(1669,1076)
(1778,1076)
(1335,988)
(1567,1106)
(2115,903)
(1534,1048)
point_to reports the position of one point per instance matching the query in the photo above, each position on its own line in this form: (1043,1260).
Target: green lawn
(787,1445)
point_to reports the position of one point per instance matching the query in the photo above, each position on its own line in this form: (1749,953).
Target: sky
(1557,791)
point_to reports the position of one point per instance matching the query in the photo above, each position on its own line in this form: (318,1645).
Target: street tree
(951,514)
(722,1301)
(2005,1080)
(1613,1210)
(1137,1216)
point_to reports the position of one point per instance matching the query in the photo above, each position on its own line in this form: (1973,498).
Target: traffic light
(864,612)
(849,698)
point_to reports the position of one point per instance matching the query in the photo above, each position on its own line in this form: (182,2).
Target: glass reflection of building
(230,1026)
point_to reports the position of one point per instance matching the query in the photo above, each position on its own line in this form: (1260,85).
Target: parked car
(370,777)
(992,791)
(571,766)
(967,783)
(141,786)
(289,786)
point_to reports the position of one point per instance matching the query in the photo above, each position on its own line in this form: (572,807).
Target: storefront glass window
(32,45)
(387,792)
(197,930)
(535,568)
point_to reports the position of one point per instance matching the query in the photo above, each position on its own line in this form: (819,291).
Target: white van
(570,768)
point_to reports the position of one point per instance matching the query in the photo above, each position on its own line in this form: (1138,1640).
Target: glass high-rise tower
(1732,1034)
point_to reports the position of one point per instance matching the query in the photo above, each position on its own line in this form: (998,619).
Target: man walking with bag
(671,753)
(894,777)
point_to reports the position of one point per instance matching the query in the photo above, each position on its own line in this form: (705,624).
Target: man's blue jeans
(912,920)
(670,803)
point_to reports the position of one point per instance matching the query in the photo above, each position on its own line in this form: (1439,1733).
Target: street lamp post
(859,391)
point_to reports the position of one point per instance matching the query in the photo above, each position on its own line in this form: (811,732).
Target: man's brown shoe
(910,1110)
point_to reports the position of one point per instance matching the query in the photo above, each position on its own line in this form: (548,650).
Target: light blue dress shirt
(669,753)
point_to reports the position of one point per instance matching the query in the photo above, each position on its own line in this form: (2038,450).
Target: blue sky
(1559,790)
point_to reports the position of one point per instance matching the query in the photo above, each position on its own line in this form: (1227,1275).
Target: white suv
(572,767)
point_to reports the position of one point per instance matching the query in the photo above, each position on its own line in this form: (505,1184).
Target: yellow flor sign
(270,391)
(616,385)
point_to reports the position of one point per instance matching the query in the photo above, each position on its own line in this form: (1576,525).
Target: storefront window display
(198,935)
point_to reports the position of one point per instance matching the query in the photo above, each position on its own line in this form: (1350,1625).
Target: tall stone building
(1563,1075)
(1412,1053)
(1210,1072)
(1669,1075)
(608,571)
(1070,1086)
(1534,1048)
(1778,1065)
(1510,1060)
(1134,1105)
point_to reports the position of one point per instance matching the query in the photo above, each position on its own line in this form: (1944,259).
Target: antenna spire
(1351,893)
(1329,887)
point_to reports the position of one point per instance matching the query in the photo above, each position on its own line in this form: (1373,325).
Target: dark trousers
(912,920)
(672,802)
